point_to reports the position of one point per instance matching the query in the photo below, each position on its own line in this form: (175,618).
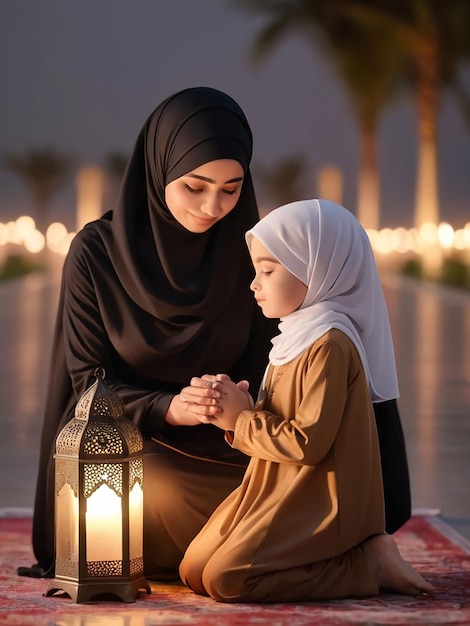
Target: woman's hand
(219,398)
(181,413)
(196,404)
(200,402)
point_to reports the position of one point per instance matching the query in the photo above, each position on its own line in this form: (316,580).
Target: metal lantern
(99,500)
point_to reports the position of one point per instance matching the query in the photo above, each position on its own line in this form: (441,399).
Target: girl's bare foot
(391,570)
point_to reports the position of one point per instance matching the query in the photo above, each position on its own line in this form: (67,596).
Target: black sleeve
(87,346)
(394,465)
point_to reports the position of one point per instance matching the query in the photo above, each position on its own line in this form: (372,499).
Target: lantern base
(80,592)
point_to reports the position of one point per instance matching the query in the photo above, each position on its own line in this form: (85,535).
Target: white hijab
(325,247)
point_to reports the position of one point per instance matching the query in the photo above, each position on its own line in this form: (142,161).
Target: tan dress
(311,494)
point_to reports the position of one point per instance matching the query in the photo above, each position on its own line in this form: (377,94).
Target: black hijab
(177,276)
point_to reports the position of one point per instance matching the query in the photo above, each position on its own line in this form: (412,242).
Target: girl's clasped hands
(217,400)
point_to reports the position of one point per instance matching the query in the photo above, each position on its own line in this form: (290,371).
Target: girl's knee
(190,571)
(211,577)
(225,584)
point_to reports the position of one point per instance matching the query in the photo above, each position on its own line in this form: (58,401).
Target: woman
(155,292)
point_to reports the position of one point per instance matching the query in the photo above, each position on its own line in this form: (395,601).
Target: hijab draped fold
(325,247)
(173,274)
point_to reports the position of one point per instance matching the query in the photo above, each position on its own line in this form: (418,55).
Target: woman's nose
(212,207)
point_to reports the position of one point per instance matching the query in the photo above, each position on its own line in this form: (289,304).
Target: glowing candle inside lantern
(136,516)
(67,507)
(104,526)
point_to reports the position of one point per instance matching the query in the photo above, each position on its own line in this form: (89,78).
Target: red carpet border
(433,548)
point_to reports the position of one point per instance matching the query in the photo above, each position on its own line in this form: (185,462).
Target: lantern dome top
(99,428)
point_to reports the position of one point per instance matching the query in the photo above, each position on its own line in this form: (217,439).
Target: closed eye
(264,272)
(192,189)
(228,192)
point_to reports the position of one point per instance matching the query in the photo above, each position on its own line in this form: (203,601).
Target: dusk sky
(83,76)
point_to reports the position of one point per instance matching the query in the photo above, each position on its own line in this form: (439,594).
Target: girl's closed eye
(263,271)
(267,269)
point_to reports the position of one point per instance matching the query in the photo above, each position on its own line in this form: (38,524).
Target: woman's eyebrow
(210,180)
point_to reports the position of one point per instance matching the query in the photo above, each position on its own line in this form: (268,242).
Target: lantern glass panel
(67,511)
(104,525)
(136,529)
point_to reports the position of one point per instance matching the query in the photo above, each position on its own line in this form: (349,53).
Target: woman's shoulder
(87,253)
(91,237)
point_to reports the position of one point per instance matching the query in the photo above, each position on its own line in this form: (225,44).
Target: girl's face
(276,290)
(205,195)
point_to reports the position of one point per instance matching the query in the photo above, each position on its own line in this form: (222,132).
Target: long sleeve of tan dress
(312,492)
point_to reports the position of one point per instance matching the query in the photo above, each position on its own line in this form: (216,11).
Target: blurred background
(365,102)
(363,86)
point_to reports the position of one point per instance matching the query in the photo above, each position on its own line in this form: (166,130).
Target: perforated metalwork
(136,472)
(102,439)
(97,474)
(65,567)
(132,435)
(136,565)
(106,402)
(100,427)
(99,400)
(66,472)
(83,405)
(104,568)
(68,440)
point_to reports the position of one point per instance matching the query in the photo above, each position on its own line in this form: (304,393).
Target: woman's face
(205,195)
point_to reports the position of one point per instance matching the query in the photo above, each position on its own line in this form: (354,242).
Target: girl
(307,522)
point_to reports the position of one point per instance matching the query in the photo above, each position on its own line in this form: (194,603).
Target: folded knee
(225,585)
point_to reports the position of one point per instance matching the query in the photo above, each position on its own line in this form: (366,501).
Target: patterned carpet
(433,548)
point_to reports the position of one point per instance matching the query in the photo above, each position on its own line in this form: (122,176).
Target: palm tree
(370,79)
(426,41)
(44,171)
(435,36)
